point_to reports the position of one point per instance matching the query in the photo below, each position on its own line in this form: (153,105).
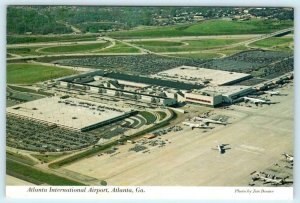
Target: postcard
(131,102)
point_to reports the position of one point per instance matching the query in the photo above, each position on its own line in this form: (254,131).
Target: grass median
(36,176)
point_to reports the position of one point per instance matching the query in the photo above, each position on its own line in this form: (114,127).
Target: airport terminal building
(184,84)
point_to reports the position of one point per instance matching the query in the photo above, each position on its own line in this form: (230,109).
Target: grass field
(79,156)
(208,27)
(148,116)
(212,53)
(19,39)
(189,45)
(274,42)
(20,73)
(162,115)
(35,176)
(74,48)
(197,55)
(233,50)
(119,48)
(47,158)
(158,43)
(31,51)
(24,51)
(20,158)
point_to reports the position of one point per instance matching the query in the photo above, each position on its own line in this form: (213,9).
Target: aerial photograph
(149,96)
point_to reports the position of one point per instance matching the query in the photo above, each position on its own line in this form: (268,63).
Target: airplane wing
(226,148)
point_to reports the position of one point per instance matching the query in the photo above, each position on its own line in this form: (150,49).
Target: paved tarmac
(257,136)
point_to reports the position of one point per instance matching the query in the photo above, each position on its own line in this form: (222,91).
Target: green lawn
(74,48)
(20,158)
(273,41)
(208,27)
(197,55)
(120,48)
(158,43)
(162,115)
(36,176)
(233,50)
(8,55)
(148,116)
(19,39)
(23,51)
(81,155)
(21,73)
(47,158)
(192,45)
(213,43)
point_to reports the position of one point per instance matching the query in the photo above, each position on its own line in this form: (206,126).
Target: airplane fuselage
(206,120)
(288,157)
(195,125)
(256,101)
(220,148)
(272,92)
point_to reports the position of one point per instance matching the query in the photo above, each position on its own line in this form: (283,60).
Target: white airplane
(207,121)
(288,157)
(271,93)
(196,125)
(221,148)
(280,181)
(268,178)
(256,101)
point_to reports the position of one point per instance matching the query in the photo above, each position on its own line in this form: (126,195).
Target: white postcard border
(149,192)
(212,192)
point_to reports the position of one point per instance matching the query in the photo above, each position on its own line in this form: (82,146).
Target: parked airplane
(271,93)
(256,101)
(288,157)
(279,181)
(267,178)
(196,125)
(207,121)
(221,148)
